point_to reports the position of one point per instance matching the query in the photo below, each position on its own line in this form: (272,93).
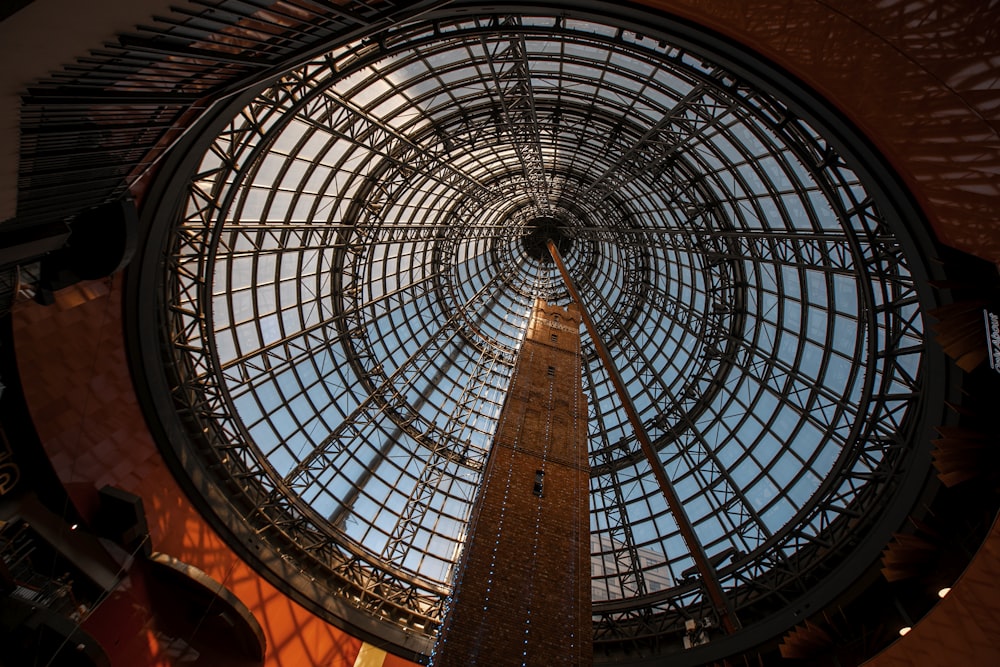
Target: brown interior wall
(77,384)
(962,629)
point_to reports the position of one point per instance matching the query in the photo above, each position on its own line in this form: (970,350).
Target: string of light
(546,443)
(490,475)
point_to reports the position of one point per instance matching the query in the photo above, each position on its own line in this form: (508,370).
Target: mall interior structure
(366,332)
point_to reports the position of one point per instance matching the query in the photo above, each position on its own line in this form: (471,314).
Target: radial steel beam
(511,74)
(723,605)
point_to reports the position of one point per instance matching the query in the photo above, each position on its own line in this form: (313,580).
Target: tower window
(539,479)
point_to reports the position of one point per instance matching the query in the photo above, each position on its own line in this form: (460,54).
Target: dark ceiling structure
(351,271)
(344,232)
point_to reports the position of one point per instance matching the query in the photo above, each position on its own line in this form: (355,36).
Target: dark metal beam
(723,605)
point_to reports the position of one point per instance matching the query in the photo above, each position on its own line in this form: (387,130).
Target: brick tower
(523,588)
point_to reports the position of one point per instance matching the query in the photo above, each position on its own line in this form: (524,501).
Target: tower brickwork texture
(522,593)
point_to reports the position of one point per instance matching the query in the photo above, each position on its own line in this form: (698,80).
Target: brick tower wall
(523,588)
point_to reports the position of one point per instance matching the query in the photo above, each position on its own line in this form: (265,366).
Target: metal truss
(511,73)
(474,417)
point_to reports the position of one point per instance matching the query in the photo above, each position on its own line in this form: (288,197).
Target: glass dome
(348,278)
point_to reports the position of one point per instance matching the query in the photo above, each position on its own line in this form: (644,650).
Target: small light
(74,526)
(904,630)
(943,592)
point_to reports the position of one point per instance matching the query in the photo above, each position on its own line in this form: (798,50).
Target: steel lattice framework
(346,284)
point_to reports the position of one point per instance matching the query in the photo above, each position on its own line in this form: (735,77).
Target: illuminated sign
(993,338)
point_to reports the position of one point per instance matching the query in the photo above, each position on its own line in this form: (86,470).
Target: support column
(522,595)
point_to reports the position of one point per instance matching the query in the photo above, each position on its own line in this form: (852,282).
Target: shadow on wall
(80,396)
